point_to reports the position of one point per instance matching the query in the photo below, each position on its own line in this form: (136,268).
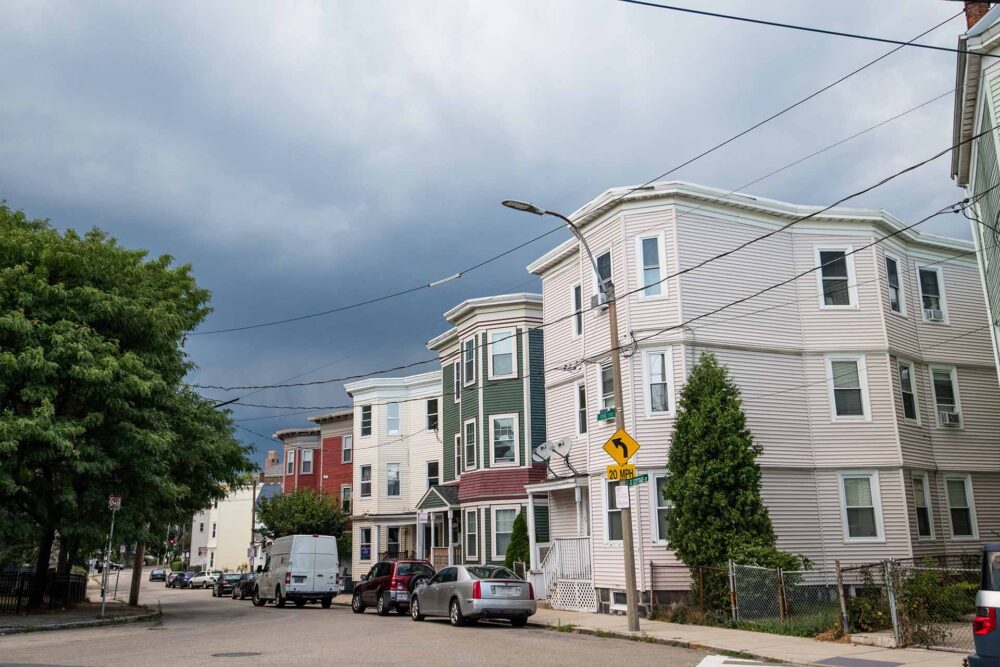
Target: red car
(389,584)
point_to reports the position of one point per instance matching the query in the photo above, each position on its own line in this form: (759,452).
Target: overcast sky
(305,155)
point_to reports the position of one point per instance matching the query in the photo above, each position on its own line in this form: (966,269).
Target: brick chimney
(272,458)
(975,11)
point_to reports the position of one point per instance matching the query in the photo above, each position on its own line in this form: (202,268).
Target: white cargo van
(300,568)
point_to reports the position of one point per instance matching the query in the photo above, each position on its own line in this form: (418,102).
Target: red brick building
(320,457)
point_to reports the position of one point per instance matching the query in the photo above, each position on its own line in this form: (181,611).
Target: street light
(608,290)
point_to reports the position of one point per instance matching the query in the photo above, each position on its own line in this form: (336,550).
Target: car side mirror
(260,568)
(364,577)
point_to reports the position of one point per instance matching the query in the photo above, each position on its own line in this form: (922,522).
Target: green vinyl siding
(536,384)
(432,501)
(501,397)
(450,422)
(541,523)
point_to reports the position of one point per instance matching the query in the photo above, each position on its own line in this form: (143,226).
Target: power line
(792,26)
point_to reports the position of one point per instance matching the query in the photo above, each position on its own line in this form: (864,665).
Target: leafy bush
(868,609)
(176,565)
(929,598)
(519,549)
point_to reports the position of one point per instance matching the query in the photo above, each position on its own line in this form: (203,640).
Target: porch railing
(567,558)
(396,554)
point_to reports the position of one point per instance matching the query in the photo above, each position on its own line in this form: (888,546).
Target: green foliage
(519,549)
(769,556)
(929,599)
(868,608)
(302,512)
(714,479)
(91,395)
(176,565)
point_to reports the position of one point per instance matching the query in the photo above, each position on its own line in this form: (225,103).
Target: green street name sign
(638,479)
(606,415)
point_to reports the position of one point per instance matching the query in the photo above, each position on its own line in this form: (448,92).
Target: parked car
(225,583)
(389,585)
(985,633)
(244,585)
(182,580)
(205,579)
(471,592)
(171,576)
(300,568)
(158,575)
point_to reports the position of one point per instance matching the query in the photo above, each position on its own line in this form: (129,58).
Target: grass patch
(563,627)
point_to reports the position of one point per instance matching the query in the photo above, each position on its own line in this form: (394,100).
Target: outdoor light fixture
(523,206)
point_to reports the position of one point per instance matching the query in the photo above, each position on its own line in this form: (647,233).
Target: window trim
(600,387)
(457,454)
(953,371)
(925,479)
(517,441)
(493,528)
(467,534)
(290,461)
(465,445)
(466,382)
(399,419)
(939,270)
(361,421)
(876,490)
(607,524)
(852,288)
(350,499)
(361,542)
(577,386)
(639,266)
(891,257)
(913,390)
(399,480)
(427,472)
(304,460)
(654,507)
(436,413)
(456,381)
(970,498)
(347,449)
(362,481)
(862,380)
(512,333)
(597,255)
(577,317)
(668,362)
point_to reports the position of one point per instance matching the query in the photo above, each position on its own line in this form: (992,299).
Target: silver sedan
(472,592)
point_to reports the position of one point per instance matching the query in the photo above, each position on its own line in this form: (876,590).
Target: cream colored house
(867,383)
(221,534)
(397,456)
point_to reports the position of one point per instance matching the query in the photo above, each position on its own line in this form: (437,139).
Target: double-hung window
(469,360)
(932,294)
(848,390)
(433,474)
(613,513)
(307,461)
(290,462)
(470,444)
(458,455)
(392,419)
(603,276)
(906,390)
(347,449)
(502,353)
(835,277)
(392,480)
(503,435)
(607,387)
(581,408)
(657,367)
(213,530)
(503,528)
(577,310)
(661,504)
(472,534)
(365,543)
(456,381)
(922,503)
(861,505)
(650,266)
(366,481)
(961,509)
(432,414)
(944,382)
(366,420)
(895,285)
(345,499)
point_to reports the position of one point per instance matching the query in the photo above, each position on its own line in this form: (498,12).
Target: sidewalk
(757,645)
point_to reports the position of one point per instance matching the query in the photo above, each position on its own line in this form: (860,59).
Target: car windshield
(216,574)
(479,572)
(231,577)
(410,569)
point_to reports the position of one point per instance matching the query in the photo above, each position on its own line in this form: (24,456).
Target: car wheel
(519,622)
(415,609)
(279,599)
(255,598)
(326,602)
(383,606)
(455,613)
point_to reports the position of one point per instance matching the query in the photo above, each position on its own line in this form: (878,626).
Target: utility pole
(115,503)
(607,289)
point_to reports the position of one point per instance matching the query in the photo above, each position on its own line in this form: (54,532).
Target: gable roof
(440,496)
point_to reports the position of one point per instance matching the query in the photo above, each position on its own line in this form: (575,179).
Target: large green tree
(519,549)
(92,400)
(713,477)
(301,512)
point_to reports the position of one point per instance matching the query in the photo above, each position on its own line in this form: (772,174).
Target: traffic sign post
(620,473)
(621,446)
(115,504)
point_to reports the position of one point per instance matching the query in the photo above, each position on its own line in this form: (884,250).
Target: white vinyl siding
(922,506)
(837,288)
(650,264)
(944,388)
(392,418)
(847,378)
(961,507)
(932,298)
(658,382)
(504,445)
(894,280)
(501,354)
(861,506)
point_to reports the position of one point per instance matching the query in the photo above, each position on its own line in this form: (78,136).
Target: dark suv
(389,584)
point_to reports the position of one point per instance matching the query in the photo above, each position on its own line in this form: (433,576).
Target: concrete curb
(74,625)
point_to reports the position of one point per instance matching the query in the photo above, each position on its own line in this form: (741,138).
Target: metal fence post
(701,589)
(842,594)
(782,605)
(891,593)
(732,590)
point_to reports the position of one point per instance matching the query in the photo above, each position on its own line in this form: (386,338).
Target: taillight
(985,621)
(397,585)
(531,592)
(288,577)
(477,592)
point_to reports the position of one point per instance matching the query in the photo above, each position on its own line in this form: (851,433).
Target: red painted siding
(335,473)
(308,480)
(498,484)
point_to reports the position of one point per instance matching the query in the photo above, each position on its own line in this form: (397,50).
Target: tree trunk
(48,536)
(140,557)
(62,567)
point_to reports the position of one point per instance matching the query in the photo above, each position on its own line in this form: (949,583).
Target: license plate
(506,591)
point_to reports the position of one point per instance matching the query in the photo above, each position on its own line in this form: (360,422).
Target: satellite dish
(543,452)
(562,446)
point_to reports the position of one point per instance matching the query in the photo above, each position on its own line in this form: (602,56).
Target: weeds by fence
(927,602)
(60,592)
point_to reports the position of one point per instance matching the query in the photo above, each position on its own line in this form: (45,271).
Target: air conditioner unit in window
(933,315)
(949,418)
(599,301)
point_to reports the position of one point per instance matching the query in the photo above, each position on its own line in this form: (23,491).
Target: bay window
(470,444)
(944,382)
(307,461)
(503,434)
(392,419)
(932,294)
(472,534)
(469,360)
(895,285)
(577,310)
(432,414)
(848,390)
(502,353)
(366,420)
(922,503)
(836,274)
(613,514)
(503,528)
(861,505)
(906,390)
(392,480)
(650,265)
(581,408)
(366,481)
(657,374)
(290,462)
(961,510)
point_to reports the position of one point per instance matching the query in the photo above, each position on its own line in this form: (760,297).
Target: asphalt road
(198,629)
